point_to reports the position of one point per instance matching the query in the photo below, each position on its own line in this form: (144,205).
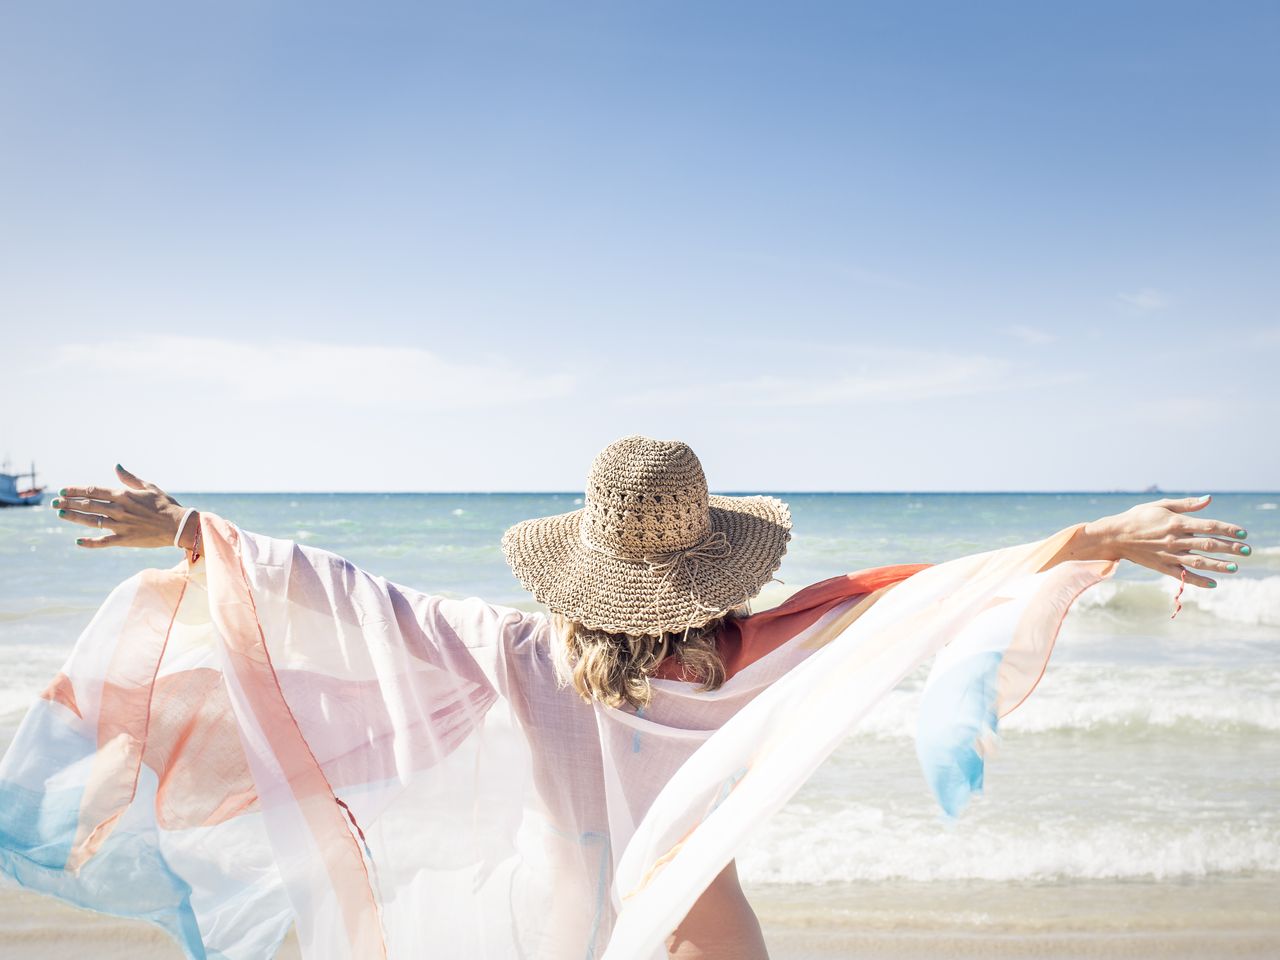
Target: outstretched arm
(1159,535)
(139,514)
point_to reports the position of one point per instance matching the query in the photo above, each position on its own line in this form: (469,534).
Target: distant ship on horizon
(10,496)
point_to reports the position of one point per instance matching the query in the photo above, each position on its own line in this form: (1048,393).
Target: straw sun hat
(650,551)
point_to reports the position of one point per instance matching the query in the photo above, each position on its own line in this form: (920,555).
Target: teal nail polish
(56,503)
(1242,534)
(118,467)
(62,513)
(1246,550)
(62,492)
(1232,568)
(79,541)
(1213,583)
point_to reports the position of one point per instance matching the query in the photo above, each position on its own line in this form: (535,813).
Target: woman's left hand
(139,514)
(1159,535)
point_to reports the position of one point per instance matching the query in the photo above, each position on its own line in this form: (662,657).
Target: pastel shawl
(273,737)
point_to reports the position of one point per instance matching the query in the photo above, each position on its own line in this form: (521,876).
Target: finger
(87,519)
(129,480)
(1192,578)
(92,543)
(1214,545)
(1194,560)
(92,493)
(1216,528)
(1196,580)
(85,505)
(1187,503)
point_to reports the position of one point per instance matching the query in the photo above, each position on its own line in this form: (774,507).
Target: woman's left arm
(1159,535)
(139,514)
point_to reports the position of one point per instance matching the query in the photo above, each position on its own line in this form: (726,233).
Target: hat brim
(604,592)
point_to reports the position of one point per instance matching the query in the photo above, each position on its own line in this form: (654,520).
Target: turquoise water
(1150,751)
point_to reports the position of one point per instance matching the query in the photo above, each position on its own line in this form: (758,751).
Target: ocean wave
(1244,600)
(26,670)
(860,842)
(1104,699)
(34,613)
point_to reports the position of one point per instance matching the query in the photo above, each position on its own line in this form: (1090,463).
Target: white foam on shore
(859,842)
(25,671)
(1107,698)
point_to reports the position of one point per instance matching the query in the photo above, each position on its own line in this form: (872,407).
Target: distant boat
(1154,488)
(11,496)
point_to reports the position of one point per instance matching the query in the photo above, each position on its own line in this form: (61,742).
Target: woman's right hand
(139,514)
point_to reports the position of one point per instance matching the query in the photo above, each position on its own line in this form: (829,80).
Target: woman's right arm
(139,514)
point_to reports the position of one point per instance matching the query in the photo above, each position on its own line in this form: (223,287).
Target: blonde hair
(615,668)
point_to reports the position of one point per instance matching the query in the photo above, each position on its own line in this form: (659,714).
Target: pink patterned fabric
(274,737)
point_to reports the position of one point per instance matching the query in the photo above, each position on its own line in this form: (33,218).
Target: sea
(1137,789)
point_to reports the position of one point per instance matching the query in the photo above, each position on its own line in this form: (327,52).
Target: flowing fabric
(273,737)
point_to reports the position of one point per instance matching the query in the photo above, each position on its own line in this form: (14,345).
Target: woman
(266,735)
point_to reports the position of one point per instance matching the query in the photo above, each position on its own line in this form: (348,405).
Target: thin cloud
(885,376)
(1029,335)
(1177,411)
(300,372)
(1145,300)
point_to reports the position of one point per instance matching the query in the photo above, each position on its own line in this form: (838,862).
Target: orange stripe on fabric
(61,691)
(741,642)
(194,748)
(247,650)
(1023,639)
(124,714)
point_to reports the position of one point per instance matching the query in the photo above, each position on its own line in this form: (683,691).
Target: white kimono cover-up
(275,737)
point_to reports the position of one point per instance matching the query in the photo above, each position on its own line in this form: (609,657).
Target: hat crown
(645,497)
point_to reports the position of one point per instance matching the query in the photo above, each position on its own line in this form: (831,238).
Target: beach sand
(1206,919)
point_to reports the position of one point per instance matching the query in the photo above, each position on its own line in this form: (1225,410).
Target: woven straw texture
(651,551)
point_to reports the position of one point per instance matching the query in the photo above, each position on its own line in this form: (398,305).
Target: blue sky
(833,246)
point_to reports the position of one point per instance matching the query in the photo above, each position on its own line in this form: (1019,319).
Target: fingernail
(62,492)
(1246,550)
(1204,498)
(1232,568)
(1213,583)
(118,467)
(1241,534)
(79,541)
(62,513)
(56,503)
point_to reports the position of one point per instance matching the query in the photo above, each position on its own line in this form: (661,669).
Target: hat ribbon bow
(673,563)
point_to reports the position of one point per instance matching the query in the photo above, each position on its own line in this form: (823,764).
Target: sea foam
(1243,600)
(861,842)
(1104,699)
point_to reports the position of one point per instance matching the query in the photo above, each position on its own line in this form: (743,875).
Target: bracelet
(182,524)
(194,553)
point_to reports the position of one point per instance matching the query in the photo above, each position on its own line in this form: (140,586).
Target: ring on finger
(99,523)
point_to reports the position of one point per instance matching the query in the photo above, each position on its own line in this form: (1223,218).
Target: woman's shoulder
(479,622)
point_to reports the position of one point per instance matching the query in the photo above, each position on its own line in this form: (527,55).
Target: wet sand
(1230,918)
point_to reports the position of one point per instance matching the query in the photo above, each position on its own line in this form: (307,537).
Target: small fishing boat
(11,496)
